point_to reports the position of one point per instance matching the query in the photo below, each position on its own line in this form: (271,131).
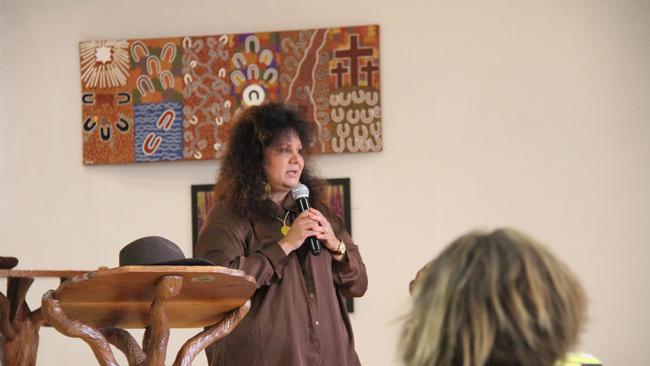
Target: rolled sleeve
(350,275)
(276,256)
(225,243)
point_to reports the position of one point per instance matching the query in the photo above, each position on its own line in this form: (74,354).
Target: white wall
(533,114)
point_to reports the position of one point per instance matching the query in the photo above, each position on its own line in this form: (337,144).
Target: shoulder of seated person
(579,359)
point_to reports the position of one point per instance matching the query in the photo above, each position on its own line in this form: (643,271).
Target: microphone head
(300,191)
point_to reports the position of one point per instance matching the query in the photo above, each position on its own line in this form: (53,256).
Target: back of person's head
(491,299)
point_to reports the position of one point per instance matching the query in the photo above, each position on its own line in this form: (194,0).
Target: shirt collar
(288,204)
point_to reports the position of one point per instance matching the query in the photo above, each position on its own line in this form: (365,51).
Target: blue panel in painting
(158,131)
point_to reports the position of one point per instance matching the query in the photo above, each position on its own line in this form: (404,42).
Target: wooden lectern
(96,306)
(19,325)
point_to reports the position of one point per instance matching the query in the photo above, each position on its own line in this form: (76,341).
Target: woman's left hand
(325,232)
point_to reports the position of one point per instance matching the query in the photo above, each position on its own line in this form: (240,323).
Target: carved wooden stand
(19,325)
(167,309)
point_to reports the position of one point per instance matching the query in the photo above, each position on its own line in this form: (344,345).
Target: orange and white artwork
(177,98)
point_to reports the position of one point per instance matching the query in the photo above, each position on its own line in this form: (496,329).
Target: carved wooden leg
(74,328)
(18,325)
(17,291)
(6,327)
(125,342)
(199,342)
(156,347)
(146,338)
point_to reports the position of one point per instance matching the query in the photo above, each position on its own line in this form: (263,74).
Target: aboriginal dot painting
(177,98)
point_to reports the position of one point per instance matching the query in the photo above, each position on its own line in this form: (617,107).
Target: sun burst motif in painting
(104,64)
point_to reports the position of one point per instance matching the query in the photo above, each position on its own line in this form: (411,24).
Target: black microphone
(300,193)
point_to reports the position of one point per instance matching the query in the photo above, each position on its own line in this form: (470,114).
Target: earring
(267,191)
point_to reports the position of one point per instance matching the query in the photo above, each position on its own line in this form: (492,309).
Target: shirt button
(311,296)
(316,323)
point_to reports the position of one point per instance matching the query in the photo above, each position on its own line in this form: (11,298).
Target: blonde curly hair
(495,298)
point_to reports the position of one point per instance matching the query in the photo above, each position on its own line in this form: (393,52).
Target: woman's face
(283,163)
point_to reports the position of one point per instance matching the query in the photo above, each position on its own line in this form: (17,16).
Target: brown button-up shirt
(298,315)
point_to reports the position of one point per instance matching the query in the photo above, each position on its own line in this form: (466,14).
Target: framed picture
(336,195)
(202,201)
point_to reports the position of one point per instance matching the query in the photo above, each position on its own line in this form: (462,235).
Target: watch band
(340,250)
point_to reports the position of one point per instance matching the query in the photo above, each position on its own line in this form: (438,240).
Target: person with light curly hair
(491,299)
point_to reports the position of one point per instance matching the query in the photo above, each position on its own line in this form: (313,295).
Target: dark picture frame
(202,200)
(336,195)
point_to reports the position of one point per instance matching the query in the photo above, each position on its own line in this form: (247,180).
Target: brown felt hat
(157,251)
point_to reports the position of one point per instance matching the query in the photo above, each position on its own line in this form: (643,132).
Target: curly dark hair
(241,180)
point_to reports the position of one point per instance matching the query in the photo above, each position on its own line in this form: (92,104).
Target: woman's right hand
(301,228)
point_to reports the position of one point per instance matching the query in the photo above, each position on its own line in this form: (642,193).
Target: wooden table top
(121,297)
(34,273)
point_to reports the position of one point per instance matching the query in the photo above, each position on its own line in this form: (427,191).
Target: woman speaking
(298,315)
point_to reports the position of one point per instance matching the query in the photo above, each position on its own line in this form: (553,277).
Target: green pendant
(284,230)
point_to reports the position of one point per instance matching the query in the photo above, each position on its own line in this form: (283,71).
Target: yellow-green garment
(579,359)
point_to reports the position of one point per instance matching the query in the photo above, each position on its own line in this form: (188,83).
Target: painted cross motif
(354,53)
(369,69)
(339,71)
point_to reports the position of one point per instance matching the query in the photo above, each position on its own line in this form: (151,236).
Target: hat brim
(184,262)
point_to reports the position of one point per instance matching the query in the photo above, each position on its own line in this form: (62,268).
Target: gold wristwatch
(341,248)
